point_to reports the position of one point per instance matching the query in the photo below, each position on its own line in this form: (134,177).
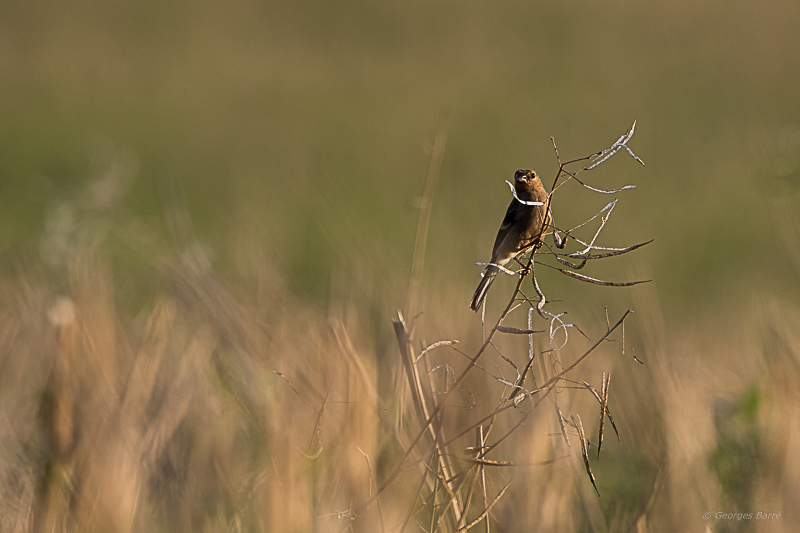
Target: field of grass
(209,221)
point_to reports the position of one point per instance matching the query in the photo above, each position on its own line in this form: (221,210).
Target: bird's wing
(510,221)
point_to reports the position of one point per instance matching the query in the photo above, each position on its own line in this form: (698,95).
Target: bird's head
(525,180)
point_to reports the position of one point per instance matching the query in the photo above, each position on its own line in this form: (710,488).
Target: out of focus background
(208,216)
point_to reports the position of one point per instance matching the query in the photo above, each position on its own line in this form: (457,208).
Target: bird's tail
(483,288)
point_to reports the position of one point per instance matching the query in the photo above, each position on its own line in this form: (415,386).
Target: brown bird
(521,230)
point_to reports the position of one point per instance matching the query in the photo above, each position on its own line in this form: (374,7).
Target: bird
(521,230)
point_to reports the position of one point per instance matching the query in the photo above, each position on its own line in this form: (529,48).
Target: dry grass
(223,406)
(245,375)
(216,409)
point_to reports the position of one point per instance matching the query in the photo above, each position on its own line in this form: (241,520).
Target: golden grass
(214,412)
(143,390)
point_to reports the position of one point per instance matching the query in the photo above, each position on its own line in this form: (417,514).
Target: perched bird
(521,230)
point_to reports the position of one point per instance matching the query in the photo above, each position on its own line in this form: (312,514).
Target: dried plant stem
(488,509)
(603,409)
(576,421)
(425,213)
(430,419)
(423,399)
(428,405)
(547,387)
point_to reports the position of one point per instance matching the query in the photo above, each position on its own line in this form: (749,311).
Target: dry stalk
(488,509)
(428,405)
(423,398)
(603,409)
(576,420)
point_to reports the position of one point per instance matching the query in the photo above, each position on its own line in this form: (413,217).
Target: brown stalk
(470,492)
(427,413)
(419,491)
(548,386)
(603,409)
(422,398)
(482,471)
(596,281)
(487,449)
(487,510)
(472,362)
(563,427)
(608,411)
(520,381)
(609,254)
(576,420)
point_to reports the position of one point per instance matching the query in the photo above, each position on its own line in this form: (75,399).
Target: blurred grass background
(221,180)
